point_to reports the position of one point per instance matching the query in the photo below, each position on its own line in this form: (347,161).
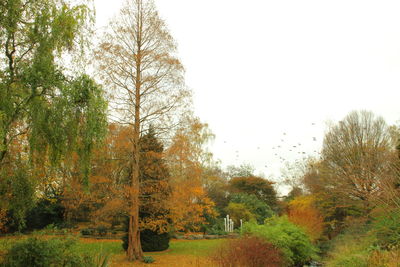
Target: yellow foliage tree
(302,212)
(186,158)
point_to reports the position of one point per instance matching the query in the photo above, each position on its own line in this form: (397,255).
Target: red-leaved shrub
(248,252)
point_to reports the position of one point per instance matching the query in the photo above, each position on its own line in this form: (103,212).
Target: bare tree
(137,60)
(354,156)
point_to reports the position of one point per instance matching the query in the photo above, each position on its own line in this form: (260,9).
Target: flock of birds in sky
(293,149)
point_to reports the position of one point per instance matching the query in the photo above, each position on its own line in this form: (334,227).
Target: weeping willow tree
(48,109)
(57,110)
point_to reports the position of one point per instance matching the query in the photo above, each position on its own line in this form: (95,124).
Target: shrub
(295,245)
(217,228)
(350,248)
(150,241)
(239,211)
(153,241)
(148,259)
(248,251)
(255,206)
(39,252)
(387,229)
(46,212)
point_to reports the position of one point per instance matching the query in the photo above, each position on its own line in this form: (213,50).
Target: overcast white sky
(262,68)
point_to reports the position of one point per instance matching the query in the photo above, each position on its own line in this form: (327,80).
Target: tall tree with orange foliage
(186,159)
(137,61)
(110,176)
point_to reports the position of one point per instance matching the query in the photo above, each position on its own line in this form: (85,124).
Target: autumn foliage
(302,212)
(248,251)
(189,203)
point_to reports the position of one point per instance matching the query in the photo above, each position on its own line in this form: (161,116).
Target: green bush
(40,252)
(387,229)
(239,211)
(148,259)
(295,245)
(153,241)
(257,207)
(215,229)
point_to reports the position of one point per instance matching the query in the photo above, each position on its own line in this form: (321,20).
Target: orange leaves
(301,211)
(186,158)
(189,203)
(157,224)
(188,210)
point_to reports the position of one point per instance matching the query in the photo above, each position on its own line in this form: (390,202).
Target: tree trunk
(134,247)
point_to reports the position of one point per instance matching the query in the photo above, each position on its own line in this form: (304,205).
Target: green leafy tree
(238,211)
(257,186)
(19,189)
(257,207)
(56,111)
(217,188)
(47,111)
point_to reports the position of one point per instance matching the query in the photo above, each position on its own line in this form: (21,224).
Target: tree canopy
(257,186)
(57,110)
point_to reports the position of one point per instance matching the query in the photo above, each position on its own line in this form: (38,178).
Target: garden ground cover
(180,253)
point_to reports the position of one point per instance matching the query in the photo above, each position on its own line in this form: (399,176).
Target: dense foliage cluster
(37,251)
(290,239)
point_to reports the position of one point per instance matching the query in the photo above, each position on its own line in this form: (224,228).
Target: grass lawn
(180,253)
